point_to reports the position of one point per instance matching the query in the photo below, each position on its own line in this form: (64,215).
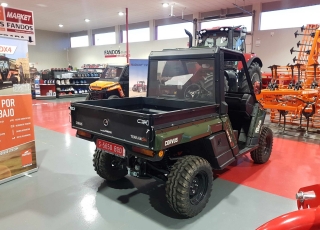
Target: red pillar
(127,35)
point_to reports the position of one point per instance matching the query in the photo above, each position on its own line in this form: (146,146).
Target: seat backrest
(240,104)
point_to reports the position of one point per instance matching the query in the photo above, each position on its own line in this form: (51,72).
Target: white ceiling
(104,13)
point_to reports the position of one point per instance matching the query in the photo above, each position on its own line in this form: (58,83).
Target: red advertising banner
(16,23)
(17,138)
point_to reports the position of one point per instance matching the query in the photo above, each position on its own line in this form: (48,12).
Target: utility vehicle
(179,134)
(8,72)
(113,83)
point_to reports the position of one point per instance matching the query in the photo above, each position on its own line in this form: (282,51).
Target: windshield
(188,79)
(220,39)
(112,73)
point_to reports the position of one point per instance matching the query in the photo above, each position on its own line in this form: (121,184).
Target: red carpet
(292,165)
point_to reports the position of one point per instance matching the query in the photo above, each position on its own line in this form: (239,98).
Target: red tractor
(140,87)
(232,38)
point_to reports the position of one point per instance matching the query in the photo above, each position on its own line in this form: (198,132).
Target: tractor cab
(113,83)
(226,36)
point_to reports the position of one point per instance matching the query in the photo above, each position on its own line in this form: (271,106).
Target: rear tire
(255,75)
(113,96)
(108,166)
(262,154)
(189,185)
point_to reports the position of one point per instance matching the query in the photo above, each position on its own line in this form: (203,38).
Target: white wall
(275,49)
(50,50)
(138,50)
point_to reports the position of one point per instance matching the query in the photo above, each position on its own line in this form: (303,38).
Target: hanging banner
(16,23)
(17,139)
(138,76)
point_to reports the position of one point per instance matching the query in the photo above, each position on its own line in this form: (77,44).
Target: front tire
(108,166)
(189,185)
(262,154)
(113,96)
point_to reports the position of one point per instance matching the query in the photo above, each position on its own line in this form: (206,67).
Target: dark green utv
(194,119)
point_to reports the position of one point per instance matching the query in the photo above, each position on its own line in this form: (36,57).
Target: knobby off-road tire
(105,166)
(113,96)
(189,185)
(255,75)
(262,154)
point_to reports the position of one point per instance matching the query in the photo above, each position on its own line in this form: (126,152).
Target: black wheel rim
(267,146)
(116,163)
(198,188)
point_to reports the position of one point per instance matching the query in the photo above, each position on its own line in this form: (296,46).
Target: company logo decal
(171,141)
(143,122)
(106,122)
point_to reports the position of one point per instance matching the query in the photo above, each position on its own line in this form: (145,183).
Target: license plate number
(111,148)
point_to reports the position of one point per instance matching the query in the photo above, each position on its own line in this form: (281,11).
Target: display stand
(17,138)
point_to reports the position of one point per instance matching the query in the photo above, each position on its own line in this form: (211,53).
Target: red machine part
(306,218)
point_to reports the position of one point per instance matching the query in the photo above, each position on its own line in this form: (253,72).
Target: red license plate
(111,148)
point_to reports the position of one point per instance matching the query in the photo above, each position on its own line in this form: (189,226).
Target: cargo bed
(135,120)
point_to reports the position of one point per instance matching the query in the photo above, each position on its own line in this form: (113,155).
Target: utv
(113,83)
(179,134)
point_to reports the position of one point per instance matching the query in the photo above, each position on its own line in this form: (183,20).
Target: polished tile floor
(66,193)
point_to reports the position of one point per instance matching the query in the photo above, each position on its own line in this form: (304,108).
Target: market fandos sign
(17,23)
(115,53)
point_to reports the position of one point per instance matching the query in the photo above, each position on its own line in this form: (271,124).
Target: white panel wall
(275,49)
(50,50)
(138,50)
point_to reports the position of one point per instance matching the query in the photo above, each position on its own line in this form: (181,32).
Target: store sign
(16,23)
(17,138)
(115,53)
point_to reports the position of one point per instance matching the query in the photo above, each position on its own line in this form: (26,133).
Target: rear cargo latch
(72,108)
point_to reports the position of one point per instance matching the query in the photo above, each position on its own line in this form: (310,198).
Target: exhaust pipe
(190,37)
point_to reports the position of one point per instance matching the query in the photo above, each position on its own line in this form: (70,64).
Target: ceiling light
(4,4)
(165,4)
(87,20)
(42,5)
(121,13)
(60,25)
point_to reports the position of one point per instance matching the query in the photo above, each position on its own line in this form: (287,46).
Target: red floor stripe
(292,164)
(54,116)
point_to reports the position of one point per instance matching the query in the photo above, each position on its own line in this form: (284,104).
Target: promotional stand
(17,139)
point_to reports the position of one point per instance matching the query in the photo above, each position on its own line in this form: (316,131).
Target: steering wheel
(193,91)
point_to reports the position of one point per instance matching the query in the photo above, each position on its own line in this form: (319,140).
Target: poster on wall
(138,77)
(16,23)
(17,139)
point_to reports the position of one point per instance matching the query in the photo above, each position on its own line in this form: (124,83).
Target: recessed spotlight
(165,4)
(121,13)
(60,25)
(42,5)
(87,20)
(4,4)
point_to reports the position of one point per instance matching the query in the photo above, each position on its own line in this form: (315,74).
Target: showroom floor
(65,193)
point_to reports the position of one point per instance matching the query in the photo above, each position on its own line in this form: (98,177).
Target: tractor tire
(189,185)
(262,154)
(113,96)
(109,167)
(255,75)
